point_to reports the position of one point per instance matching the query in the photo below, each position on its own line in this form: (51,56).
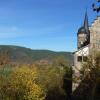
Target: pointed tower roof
(86,25)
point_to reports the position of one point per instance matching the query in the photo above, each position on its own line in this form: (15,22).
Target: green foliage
(89,88)
(51,78)
(56,79)
(6,70)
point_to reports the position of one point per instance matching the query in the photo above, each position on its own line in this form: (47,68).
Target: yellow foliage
(22,85)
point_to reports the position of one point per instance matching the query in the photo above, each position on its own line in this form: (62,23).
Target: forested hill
(22,54)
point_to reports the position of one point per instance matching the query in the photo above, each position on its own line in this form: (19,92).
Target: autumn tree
(21,85)
(4,58)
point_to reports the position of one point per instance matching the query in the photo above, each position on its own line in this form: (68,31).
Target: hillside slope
(26,55)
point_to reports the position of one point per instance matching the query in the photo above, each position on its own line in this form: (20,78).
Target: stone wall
(95,35)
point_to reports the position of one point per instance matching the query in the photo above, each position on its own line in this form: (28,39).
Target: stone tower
(83,34)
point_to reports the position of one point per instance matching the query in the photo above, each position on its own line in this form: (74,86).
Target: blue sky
(43,24)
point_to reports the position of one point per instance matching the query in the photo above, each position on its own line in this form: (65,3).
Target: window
(79,59)
(82,58)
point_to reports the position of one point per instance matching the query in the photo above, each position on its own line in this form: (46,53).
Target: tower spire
(86,25)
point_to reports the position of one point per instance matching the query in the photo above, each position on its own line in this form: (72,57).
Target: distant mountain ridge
(26,55)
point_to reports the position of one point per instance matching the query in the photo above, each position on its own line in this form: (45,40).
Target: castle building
(83,43)
(88,39)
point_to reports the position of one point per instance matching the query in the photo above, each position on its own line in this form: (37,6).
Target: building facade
(88,39)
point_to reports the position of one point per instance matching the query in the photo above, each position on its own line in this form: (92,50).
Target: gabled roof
(81,48)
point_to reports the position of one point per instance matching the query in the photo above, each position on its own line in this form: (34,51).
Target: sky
(43,24)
